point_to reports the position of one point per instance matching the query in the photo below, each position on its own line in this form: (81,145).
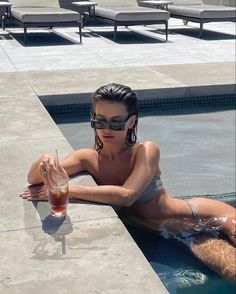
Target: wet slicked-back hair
(119,94)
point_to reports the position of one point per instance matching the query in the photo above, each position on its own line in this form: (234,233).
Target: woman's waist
(150,208)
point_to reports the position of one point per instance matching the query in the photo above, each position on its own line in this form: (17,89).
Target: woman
(127,172)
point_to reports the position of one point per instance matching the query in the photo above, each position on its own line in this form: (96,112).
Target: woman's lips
(107,136)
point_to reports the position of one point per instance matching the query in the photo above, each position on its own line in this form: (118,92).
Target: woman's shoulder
(148,146)
(85,153)
(85,156)
(148,152)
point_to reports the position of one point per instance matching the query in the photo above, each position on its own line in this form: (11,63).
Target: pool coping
(24,137)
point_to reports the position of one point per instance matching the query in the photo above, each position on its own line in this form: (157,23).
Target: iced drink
(58,200)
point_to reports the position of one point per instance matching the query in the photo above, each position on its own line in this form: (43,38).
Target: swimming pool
(179,270)
(197,158)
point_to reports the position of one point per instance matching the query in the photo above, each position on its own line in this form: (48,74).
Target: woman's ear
(133,119)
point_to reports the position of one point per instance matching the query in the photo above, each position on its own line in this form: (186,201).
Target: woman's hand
(229,228)
(35,192)
(52,173)
(225,224)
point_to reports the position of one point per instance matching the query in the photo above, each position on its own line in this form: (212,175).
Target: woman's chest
(112,172)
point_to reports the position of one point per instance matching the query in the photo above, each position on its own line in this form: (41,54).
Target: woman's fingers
(51,172)
(63,173)
(56,173)
(49,179)
(226,225)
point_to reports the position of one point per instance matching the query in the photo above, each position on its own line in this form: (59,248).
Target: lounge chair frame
(27,25)
(130,23)
(201,21)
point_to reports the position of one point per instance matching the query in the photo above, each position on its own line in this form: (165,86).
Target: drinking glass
(58,193)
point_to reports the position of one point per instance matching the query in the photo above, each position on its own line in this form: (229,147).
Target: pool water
(180,271)
(197,158)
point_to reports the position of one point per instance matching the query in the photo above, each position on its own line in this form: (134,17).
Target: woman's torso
(116,171)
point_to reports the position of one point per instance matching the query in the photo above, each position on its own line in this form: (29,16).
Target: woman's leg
(217,254)
(206,208)
(206,212)
(176,215)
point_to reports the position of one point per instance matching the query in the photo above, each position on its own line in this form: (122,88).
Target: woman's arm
(146,166)
(73,163)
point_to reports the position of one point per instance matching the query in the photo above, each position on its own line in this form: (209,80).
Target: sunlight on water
(183,278)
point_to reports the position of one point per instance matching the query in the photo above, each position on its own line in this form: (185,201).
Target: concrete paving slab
(211,78)
(208,74)
(28,111)
(20,87)
(226,57)
(16,159)
(89,257)
(51,84)
(6,65)
(58,62)
(15,53)
(18,214)
(127,56)
(2,53)
(174,59)
(13,207)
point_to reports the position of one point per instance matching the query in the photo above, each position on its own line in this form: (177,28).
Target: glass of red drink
(58,200)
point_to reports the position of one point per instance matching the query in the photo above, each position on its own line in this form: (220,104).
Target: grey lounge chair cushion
(41,14)
(203,11)
(132,14)
(186,2)
(117,3)
(35,2)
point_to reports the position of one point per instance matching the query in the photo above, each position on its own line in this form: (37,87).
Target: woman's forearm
(108,194)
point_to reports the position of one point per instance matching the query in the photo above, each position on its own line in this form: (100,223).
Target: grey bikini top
(151,190)
(148,194)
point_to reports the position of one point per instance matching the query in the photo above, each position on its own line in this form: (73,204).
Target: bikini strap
(195,213)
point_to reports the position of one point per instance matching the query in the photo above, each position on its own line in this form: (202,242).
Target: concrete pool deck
(90,251)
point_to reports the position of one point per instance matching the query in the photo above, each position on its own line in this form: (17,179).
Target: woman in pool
(127,172)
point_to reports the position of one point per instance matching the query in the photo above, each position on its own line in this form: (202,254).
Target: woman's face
(112,112)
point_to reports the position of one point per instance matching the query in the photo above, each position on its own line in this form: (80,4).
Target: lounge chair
(197,11)
(128,12)
(42,13)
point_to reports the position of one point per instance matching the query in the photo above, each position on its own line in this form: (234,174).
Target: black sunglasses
(111,125)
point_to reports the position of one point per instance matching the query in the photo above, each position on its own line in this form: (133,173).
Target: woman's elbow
(128,199)
(33,181)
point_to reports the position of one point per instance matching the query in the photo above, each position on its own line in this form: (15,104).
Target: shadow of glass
(56,228)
